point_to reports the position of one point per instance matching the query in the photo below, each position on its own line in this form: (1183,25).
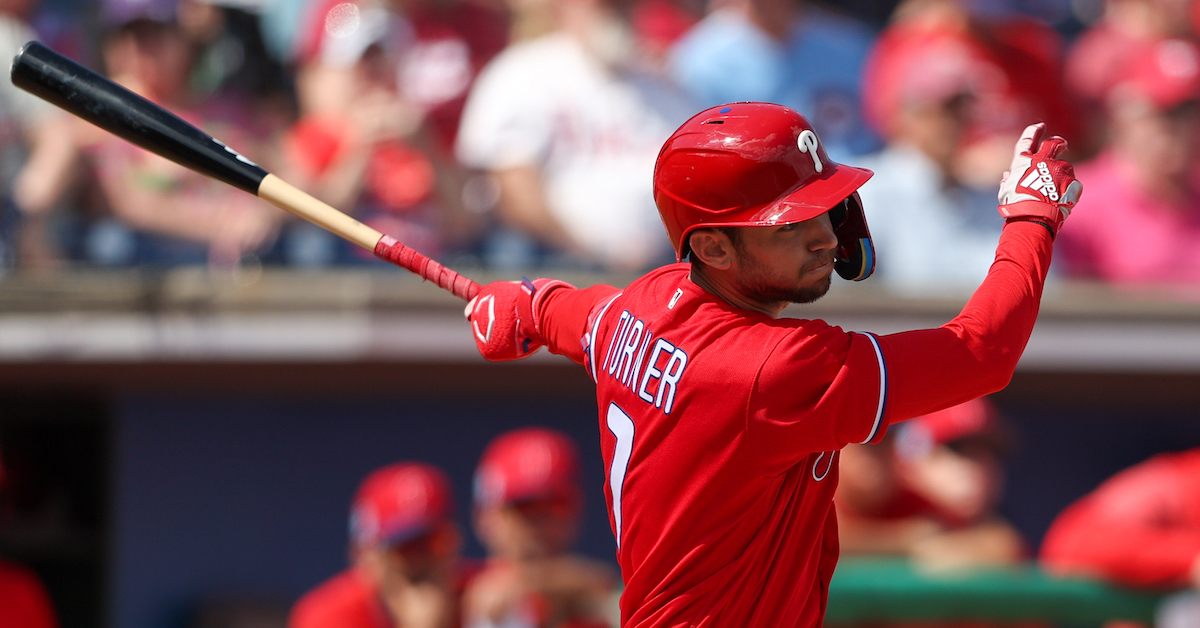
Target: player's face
(416,560)
(786,264)
(531,529)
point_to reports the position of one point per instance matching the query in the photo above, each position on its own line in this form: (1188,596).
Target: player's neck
(719,283)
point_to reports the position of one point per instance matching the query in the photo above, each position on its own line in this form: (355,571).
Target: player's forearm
(562,318)
(51,167)
(976,353)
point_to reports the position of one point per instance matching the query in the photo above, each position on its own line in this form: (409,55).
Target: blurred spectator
(177,216)
(232,60)
(1153,508)
(404,552)
(36,155)
(1143,185)
(1102,55)
(359,145)
(24,602)
(527,512)
(657,26)
(1016,77)
(785,52)
(933,231)
(568,127)
(932,494)
(949,90)
(452,40)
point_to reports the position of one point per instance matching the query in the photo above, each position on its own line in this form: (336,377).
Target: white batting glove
(1038,186)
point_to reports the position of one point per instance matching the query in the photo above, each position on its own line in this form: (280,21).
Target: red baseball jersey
(345,601)
(720,427)
(350,600)
(720,431)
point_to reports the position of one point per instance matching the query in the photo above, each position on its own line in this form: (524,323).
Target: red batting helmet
(748,164)
(525,465)
(398,503)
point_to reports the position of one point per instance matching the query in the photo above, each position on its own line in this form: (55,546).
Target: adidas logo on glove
(1040,180)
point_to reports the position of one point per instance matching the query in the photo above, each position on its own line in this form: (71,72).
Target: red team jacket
(345,601)
(720,427)
(24,602)
(1152,508)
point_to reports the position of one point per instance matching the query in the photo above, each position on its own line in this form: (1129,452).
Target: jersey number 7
(621,426)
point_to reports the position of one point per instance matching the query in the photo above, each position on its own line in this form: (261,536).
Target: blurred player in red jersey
(1139,528)
(406,571)
(720,422)
(24,602)
(527,508)
(931,493)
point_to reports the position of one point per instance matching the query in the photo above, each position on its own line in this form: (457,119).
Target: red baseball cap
(398,503)
(1166,74)
(526,465)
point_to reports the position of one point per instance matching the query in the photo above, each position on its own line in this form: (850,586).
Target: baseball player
(404,548)
(527,509)
(720,422)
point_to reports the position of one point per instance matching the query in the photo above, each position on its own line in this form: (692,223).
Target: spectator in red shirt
(404,550)
(527,509)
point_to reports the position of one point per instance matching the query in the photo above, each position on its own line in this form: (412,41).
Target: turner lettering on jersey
(648,366)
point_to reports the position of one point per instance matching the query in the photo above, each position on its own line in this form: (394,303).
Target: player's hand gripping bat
(59,80)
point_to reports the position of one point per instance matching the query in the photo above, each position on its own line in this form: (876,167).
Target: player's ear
(711,247)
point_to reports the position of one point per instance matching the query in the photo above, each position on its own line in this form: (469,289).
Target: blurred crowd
(515,134)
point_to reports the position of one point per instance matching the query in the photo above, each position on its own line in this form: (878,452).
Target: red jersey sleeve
(976,353)
(832,383)
(847,387)
(1153,508)
(564,314)
(344,601)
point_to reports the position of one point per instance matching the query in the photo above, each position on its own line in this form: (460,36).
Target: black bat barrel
(63,82)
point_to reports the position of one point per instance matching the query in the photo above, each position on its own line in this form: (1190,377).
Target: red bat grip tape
(392,250)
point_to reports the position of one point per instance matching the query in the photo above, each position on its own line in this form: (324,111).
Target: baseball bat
(53,77)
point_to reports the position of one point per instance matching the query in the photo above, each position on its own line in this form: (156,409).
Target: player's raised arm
(976,352)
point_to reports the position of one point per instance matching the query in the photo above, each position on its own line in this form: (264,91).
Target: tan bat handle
(287,196)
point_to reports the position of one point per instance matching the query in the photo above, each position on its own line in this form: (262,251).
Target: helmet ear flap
(837,215)
(855,252)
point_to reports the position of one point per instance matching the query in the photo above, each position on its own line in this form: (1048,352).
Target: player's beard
(765,292)
(757,285)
